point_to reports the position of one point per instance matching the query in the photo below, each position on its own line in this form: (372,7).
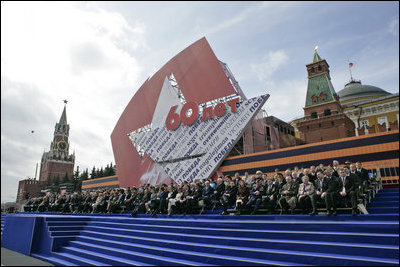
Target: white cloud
(248,10)
(271,63)
(287,99)
(61,51)
(225,24)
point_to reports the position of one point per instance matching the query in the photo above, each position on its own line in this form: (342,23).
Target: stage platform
(119,239)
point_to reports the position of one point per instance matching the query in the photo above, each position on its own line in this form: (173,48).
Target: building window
(268,134)
(382,120)
(314,99)
(312,70)
(327,112)
(322,96)
(364,123)
(319,68)
(319,124)
(333,123)
(314,115)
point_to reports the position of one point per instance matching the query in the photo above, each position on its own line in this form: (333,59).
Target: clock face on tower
(62,145)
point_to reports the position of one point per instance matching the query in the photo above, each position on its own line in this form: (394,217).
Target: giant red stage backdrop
(201,78)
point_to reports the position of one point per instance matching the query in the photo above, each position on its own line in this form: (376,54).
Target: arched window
(327,112)
(314,99)
(322,97)
(319,68)
(312,70)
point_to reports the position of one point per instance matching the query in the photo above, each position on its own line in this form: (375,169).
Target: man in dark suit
(347,189)
(219,189)
(256,194)
(229,197)
(157,203)
(332,188)
(363,174)
(182,203)
(335,167)
(270,196)
(312,174)
(320,185)
(279,182)
(206,197)
(193,199)
(353,172)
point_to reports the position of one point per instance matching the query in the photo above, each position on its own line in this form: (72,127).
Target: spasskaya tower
(57,162)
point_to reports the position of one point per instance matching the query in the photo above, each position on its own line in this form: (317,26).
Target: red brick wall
(32,187)
(57,168)
(322,129)
(334,106)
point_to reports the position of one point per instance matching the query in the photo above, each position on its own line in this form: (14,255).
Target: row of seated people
(322,187)
(325,188)
(78,202)
(249,193)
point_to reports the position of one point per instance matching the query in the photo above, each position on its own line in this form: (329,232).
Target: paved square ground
(12,258)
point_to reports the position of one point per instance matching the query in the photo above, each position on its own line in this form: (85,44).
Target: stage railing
(387,172)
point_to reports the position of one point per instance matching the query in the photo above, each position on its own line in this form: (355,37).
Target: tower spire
(316,57)
(63,119)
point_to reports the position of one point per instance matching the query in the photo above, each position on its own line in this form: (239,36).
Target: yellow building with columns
(371,108)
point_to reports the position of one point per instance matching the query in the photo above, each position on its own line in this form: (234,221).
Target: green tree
(101,172)
(77,182)
(76,174)
(65,178)
(85,175)
(107,171)
(112,167)
(56,180)
(93,174)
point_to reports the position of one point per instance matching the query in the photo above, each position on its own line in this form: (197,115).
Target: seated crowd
(305,190)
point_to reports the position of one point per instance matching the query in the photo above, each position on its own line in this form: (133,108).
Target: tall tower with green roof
(58,161)
(323,115)
(320,89)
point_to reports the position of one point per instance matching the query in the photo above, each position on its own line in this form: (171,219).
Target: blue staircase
(385,202)
(3,222)
(225,240)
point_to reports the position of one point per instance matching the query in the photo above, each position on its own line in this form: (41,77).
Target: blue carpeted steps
(227,240)
(285,244)
(129,249)
(3,222)
(384,204)
(95,257)
(387,201)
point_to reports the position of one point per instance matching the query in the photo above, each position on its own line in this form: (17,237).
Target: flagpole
(351,76)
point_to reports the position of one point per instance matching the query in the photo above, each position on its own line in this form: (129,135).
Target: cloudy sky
(97,54)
